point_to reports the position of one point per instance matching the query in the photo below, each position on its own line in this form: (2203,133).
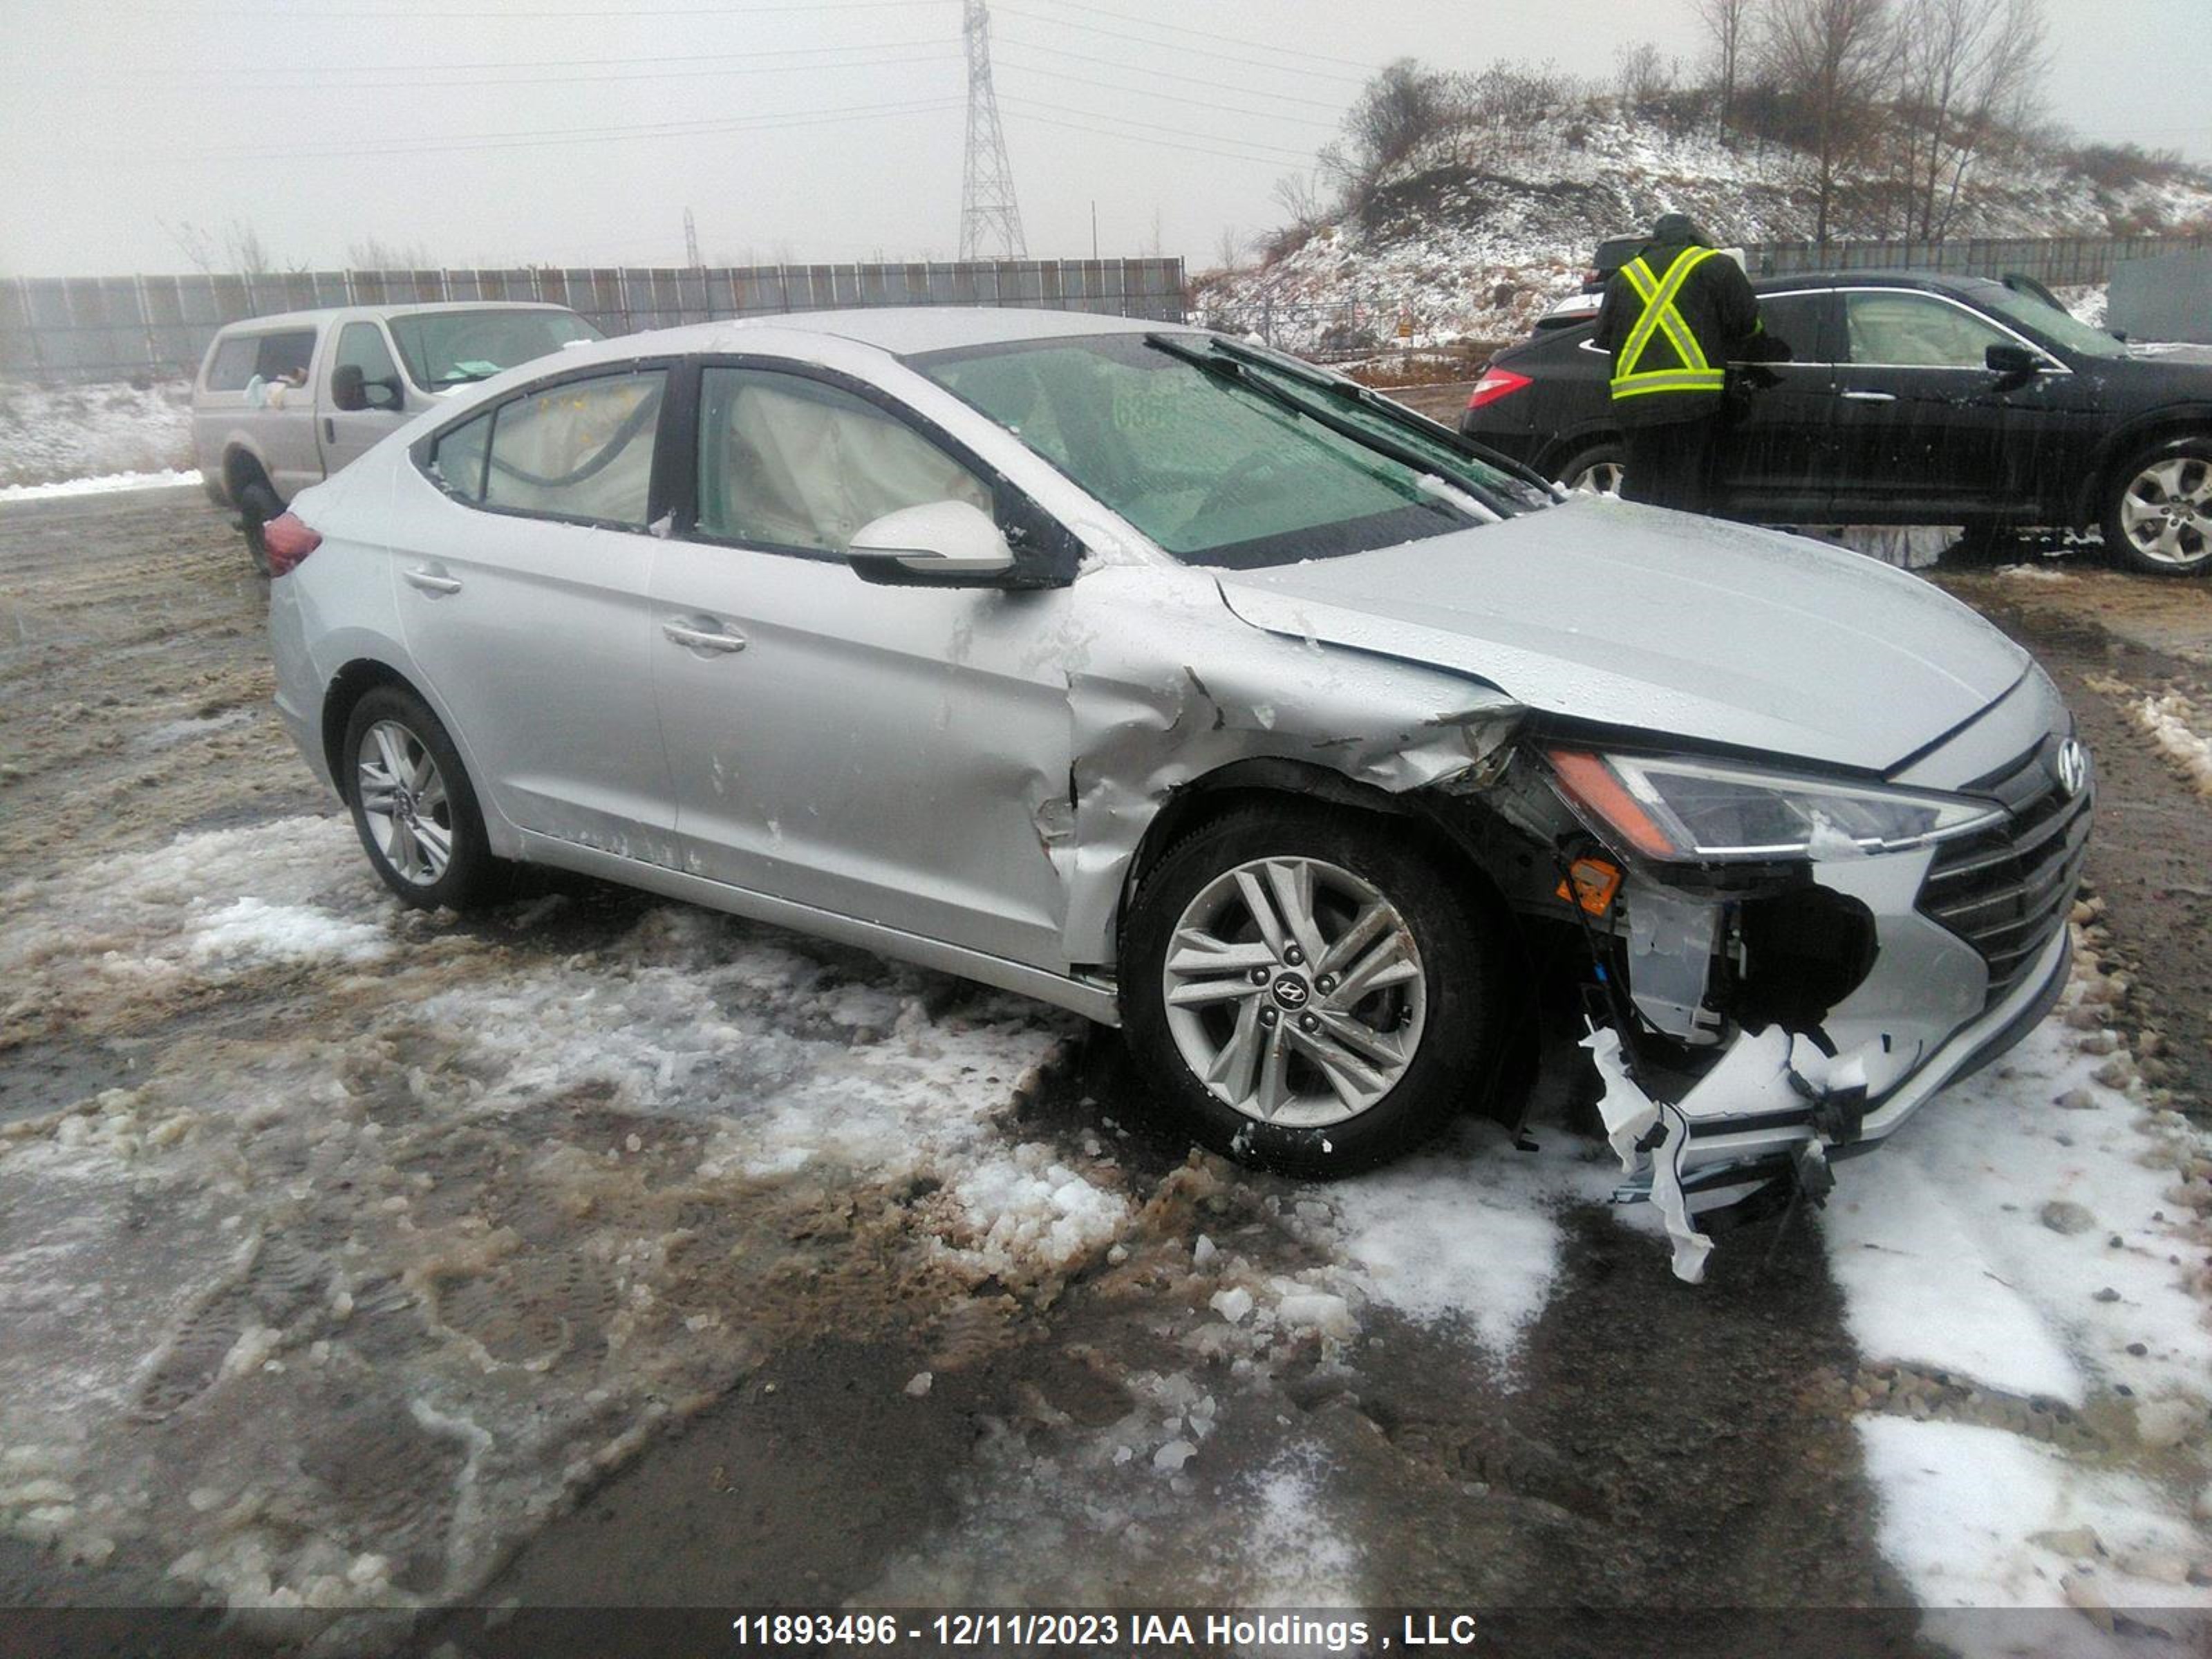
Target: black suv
(1908,399)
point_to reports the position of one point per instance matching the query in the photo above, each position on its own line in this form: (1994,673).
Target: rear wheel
(1597,471)
(1307,988)
(257,505)
(2158,518)
(412,804)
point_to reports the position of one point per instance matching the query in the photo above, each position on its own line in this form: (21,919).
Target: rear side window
(232,366)
(457,459)
(1792,321)
(582,449)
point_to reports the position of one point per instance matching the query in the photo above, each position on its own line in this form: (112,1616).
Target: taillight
(288,540)
(1495,383)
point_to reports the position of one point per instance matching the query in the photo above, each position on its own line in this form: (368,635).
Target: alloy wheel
(2166,512)
(403,798)
(1295,992)
(1598,478)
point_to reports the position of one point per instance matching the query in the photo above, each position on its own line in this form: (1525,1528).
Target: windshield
(2061,327)
(447,347)
(1224,460)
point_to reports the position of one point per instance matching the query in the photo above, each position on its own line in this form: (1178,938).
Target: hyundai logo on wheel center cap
(1290,991)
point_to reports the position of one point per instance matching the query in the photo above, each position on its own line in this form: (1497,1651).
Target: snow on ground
(49,435)
(464,1217)
(105,484)
(2180,728)
(2036,1235)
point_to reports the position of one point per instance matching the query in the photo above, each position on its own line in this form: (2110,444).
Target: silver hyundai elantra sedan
(1205,693)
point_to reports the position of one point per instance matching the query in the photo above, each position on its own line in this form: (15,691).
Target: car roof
(408,309)
(907,331)
(1931,279)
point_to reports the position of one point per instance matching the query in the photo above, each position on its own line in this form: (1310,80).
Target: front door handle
(330,430)
(1870,396)
(431,582)
(701,638)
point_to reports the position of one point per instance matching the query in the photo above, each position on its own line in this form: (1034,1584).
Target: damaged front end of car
(1783,964)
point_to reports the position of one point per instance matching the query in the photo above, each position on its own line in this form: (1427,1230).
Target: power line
(1184,99)
(261,76)
(1212,83)
(1208,34)
(440,13)
(578,135)
(1171,45)
(1252,144)
(1055,115)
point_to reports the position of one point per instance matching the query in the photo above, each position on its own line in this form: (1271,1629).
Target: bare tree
(1832,59)
(374,253)
(1403,104)
(1229,248)
(1728,24)
(1642,76)
(1969,71)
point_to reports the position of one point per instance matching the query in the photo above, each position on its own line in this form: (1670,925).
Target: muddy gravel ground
(397,1278)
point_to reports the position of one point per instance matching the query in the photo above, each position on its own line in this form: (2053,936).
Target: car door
(1776,449)
(896,754)
(524,600)
(348,433)
(1923,423)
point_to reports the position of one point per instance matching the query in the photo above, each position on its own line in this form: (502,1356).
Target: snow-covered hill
(1472,236)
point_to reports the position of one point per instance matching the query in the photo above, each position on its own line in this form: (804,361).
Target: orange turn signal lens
(1596,882)
(1592,782)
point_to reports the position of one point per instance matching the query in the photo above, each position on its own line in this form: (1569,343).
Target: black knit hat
(1670,228)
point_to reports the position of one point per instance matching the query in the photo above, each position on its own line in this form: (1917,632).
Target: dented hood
(1632,616)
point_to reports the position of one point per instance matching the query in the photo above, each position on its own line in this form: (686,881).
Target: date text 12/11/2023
(1074,1630)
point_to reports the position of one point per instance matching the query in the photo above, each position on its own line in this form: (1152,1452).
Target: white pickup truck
(283,402)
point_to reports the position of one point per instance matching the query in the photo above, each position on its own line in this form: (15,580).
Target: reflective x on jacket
(1672,318)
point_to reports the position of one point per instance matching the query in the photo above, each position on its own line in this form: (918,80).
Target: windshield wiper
(1237,367)
(1388,409)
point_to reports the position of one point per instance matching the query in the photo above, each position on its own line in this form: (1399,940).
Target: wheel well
(239,468)
(1243,782)
(351,684)
(1555,461)
(2127,448)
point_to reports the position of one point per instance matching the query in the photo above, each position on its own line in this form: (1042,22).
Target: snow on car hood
(1634,616)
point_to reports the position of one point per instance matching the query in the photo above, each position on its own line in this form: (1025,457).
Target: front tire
(2158,516)
(412,804)
(1307,988)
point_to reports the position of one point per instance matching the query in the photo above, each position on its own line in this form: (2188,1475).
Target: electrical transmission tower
(691,242)
(990,220)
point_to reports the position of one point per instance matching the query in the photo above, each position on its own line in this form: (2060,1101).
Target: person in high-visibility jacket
(1672,318)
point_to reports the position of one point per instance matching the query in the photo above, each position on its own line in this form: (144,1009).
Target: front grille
(2006,890)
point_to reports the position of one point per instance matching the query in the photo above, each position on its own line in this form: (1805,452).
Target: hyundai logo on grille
(2071,764)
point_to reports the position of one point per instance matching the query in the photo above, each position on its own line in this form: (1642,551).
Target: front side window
(360,345)
(451,348)
(1218,468)
(790,462)
(582,449)
(285,356)
(1917,331)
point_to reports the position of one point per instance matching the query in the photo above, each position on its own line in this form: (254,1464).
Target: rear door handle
(701,639)
(431,582)
(330,430)
(1870,396)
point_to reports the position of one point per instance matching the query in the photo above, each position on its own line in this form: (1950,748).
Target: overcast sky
(577,131)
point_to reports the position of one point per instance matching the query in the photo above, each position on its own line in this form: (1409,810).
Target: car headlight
(1676,809)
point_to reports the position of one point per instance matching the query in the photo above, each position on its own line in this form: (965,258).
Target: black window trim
(1039,540)
(656,497)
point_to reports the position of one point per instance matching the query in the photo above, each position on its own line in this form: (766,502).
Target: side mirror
(348,387)
(942,545)
(2008,358)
